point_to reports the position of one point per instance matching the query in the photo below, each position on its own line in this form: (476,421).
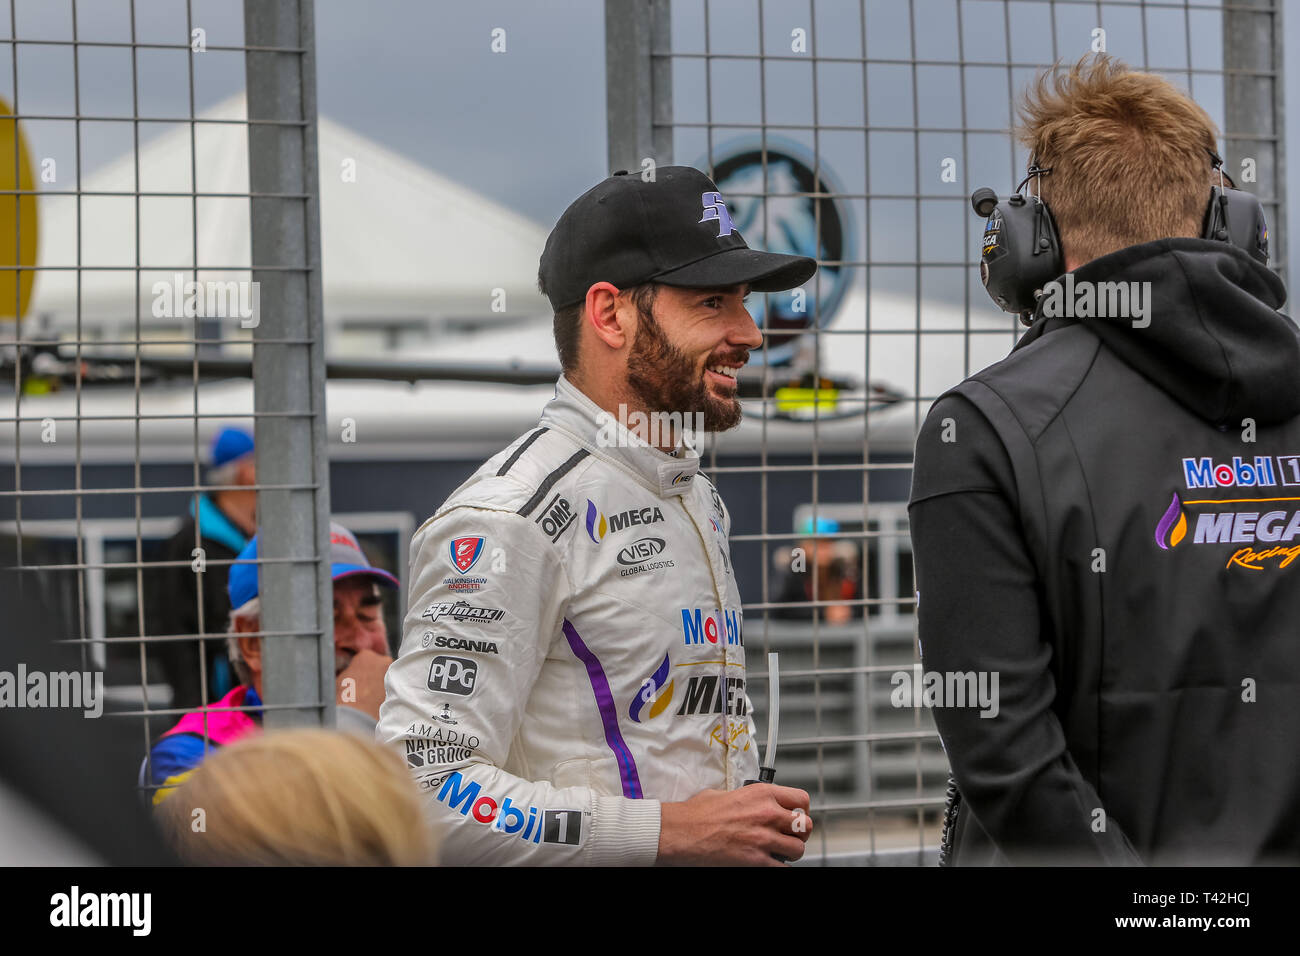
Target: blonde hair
(1127,152)
(299,797)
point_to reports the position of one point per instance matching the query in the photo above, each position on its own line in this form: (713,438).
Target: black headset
(1021,249)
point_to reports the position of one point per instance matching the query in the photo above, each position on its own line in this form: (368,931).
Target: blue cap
(230,443)
(821,526)
(346,560)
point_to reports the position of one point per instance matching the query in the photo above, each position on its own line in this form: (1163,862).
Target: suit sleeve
(458,692)
(978,611)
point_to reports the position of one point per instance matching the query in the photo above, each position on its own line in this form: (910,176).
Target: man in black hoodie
(1109,520)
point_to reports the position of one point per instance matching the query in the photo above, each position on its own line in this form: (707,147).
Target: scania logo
(640,550)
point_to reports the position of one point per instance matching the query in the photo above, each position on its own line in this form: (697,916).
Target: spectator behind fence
(360,661)
(300,798)
(225,519)
(826,566)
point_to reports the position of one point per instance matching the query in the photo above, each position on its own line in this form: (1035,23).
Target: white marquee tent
(399,241)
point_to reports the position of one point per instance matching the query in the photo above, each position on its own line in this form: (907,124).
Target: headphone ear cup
(1237,217)
(1215,225)
(1053,236)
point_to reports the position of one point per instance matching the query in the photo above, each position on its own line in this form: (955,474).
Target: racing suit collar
(600,432)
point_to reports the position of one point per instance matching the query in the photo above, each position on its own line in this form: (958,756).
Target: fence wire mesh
(146,228)
(852,131)
(856,132)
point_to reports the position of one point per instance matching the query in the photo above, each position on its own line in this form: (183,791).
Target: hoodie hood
(1213,337)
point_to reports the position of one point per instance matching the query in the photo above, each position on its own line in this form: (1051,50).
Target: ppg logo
(453,675)
(715,208)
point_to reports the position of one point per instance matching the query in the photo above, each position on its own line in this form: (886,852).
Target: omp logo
(715,210)
(710,694)
(1204,473)
(556,518)
(453,675)
(653,693)
(465,552)
(642,549)
(546,826)
(598,526)
(696,628)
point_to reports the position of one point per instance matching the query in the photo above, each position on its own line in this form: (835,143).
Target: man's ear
(247,473)
(250,648)
(602,314)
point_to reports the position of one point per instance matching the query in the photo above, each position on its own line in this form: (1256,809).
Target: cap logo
(715,208)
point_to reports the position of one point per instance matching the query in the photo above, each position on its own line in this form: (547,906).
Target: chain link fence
(150,241)
(855,132)
(145,229)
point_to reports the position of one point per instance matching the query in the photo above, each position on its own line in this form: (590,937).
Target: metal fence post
(1254,110)
(289,364)
(638,85)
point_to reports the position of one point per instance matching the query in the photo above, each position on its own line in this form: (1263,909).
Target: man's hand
(361,683)
(744,827)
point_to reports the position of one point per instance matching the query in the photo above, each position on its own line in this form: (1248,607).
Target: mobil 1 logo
(453,675)
(562,826)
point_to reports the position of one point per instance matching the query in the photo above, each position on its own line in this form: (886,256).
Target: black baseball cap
(676,230)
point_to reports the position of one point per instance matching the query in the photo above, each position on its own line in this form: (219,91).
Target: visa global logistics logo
(1276,528)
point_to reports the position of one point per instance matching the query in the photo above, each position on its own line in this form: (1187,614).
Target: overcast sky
(527,127)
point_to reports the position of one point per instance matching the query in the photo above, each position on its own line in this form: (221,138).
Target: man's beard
(665,380)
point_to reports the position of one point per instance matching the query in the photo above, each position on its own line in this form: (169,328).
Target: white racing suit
(572,653)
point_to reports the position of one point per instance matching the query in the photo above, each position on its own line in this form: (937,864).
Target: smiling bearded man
(571,682)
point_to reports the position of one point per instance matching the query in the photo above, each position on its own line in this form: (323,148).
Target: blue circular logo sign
(784,206)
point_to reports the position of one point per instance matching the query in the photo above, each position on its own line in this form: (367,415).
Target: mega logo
(1275,528)
(463,644)
(710,694)
(556,518)
(598,526)
(465,552)
(453,675)
(697,629)
(653,694)
(1204,473)
(546,826)
(463,612)
(992,229)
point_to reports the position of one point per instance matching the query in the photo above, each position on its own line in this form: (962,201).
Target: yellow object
(791,400)
(18,231)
